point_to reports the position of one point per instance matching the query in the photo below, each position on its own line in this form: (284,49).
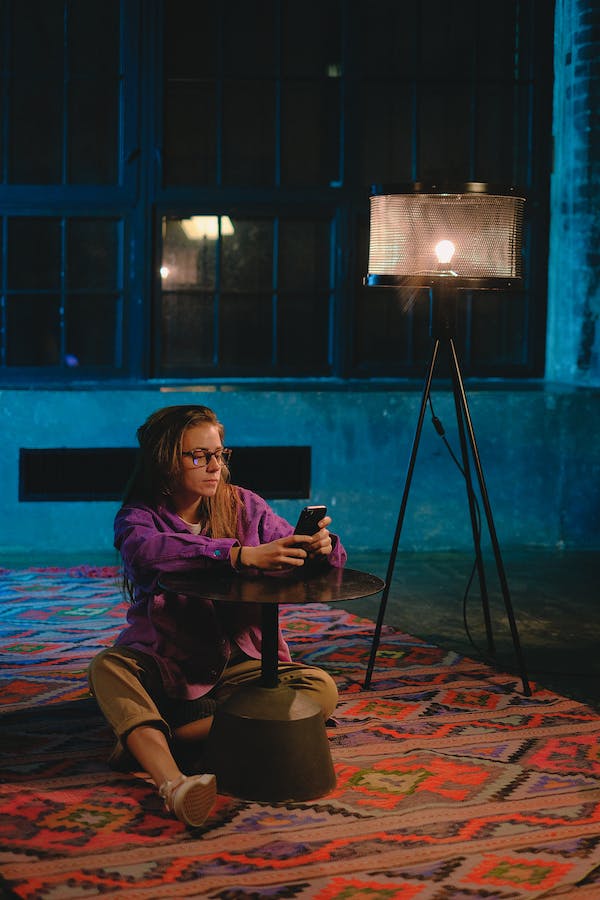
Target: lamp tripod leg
(465,419)
(461,414)
(401,514)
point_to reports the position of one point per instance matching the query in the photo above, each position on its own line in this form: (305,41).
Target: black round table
(269,742)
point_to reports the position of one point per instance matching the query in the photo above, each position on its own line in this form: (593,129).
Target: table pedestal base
(270,744)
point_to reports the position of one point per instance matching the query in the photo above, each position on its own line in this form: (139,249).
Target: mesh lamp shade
(464,237)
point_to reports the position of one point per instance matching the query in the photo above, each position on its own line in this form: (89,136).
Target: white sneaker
(191,798)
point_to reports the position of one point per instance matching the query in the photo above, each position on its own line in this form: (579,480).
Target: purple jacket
(191,639)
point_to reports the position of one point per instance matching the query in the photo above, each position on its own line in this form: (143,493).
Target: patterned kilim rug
(451,785)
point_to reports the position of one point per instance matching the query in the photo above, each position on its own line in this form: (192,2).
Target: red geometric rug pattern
(451,784)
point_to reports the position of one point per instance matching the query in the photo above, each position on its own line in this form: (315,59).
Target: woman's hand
(319,544)
(292,550)
(279,554)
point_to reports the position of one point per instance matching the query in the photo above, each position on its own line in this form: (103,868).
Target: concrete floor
(555,597)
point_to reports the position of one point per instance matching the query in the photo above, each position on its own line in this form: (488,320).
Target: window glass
(245,295)
(64,302)
(92,29)
(497,39)
(303,333)
(190,139)
(447,39)
(444,132)
(249,38)
(495,134)
(35,121)
(91,330)
(189,256)
(33,330)
(247,256)
(249,132)
(191,39)
(34,253)
(92,254)
(93,133)
(385,38)
(311,38)
(63,92)
(310,128)
(37,37)
(245,332)
(385,108)
(304,255)
(499,325)
(187,331)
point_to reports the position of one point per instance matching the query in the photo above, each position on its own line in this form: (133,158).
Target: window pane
(189,25)
(264,327)
(247,256)
(34,253)
(92,254)
(93,132)
(36,52)
(303,333)
(444,133)
(245,332)
(38,345)
(249,37)
(385,37)
(386,138)
(249,133)
(383,328)
(495,134)
(91,329)
(310,123)
(311,38)
(448,38)
(35,122)
(498,326)
(94,92)
(521,135)
(187,330)
(304,256)
(497,40)
(46,34)
(37,37)
(190,142)
(304,302)
(189,256)
(93,29)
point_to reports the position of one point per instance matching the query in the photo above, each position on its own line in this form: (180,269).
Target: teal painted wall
(573,332)
(539,448)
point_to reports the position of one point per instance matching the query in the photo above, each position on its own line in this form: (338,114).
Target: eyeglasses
(201,458)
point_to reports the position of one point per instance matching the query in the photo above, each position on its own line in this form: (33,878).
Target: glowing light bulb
(444,250)
(164,271)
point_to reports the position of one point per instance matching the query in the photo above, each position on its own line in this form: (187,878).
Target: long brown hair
(159,466)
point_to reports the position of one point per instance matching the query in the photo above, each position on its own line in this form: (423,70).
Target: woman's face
(200,480)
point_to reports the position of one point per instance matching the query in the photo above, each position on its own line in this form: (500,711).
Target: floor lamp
(448,239)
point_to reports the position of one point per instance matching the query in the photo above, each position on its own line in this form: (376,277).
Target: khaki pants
(129,691)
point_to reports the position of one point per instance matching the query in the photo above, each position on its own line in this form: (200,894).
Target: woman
(178,657)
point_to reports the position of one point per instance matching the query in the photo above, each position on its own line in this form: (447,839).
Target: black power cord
(437,424)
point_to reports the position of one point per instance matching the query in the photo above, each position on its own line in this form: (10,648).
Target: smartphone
(309,518)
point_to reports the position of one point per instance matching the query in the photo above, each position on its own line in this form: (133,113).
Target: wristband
(238,562)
